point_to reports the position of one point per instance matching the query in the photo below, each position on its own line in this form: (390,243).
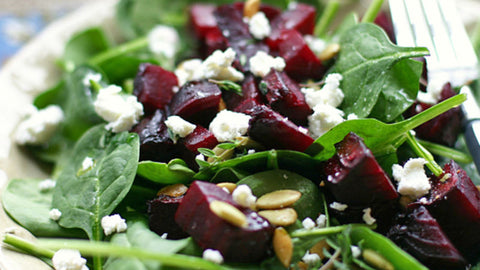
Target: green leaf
(129,68)
(85,196)
(365,60)
(228,86)
(84,45)
(174,172)
(206,152)
(30,207)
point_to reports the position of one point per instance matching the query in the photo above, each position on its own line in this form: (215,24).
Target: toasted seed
(282,245)
(329,52)
(222,105)
(229,213)
(376,260)
(278,199)
(478,187)
(280,217)
(251,7)
(319,248)
(175,190)
(229,186)
(405,200)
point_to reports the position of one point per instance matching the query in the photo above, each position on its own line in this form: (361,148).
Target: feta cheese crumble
(310,258)
(324,118)
(330,94)
(367,216)
(95,77)
(213,256)
(189,70)
(179,126)
(338,206)
(356,251)
(433,94)
(261,63)
(308,223)
(46,185)
(317,45)
(163,40)
(54,214)
(121,111)
(228,125)
(242,195)
(87,164)
(218,66)
(39,126)
(321,221)
(411,178)
(68,259)
(113,223)
(259,26)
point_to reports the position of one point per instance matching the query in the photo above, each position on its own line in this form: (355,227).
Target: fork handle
(472,139)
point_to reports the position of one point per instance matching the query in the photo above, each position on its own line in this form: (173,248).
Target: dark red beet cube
(197,102)
(214,40)
(455,204)
(301,18)
(153,86)
(200,138)
(249,91)
(301,62)
(231,24)
(418,233)
(284,96)
(273,130)
(384,20)
(354,168)
(247,106)
(202,19)
(251,243)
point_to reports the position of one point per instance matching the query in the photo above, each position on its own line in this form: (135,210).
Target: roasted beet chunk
(154,86)
(249,91)
(197,102)
(202,19)
(231,24)
(301,62)
(455,204)
(285,97)
(161,211)
(418,233)
(248,243)
(273,130)
(199,138)
(385,22)
(443,129)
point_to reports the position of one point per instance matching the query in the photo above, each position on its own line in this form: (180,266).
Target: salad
(246,135)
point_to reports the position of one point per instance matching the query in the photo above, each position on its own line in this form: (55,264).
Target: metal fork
(436,24)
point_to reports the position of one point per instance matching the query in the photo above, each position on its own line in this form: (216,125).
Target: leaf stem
(131,46)
(321,231)
(91,248)
(372,11)
(27,246)
(445,151)
(422,152)
(327,17)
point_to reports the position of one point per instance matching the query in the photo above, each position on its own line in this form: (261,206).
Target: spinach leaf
(174,172)
(30,207)
(54,95)
(365,60)
(129,68)
(381,138)
(84,45)
(85,195)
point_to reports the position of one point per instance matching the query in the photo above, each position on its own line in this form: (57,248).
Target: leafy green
(84,45)
(365,60)
(129,68)
(174,172)
(30,207)
(85,195)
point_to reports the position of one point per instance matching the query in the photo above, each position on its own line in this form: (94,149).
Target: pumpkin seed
(282,245)
(278,199)
(175,190)
(229,213)
(229,186)
(376,260)
(329,52)
(251,8)
(280,217)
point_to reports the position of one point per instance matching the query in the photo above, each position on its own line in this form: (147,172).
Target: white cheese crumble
(163,40)
(261,63)
(338,206)
(213,256)
(54,214)
(189,70)
(330,93)
(121,111)
(218,66)
(352,116)
(68,259)
(433,94)
(321,221)
(356,251)
(39,126)
(310,258)
(200,157)
(179,126)
(228,125)
(308,223)
(242,195)
(259,26)
(95,77)
(411,178)
(164,236)
(46,185)
(87,164)
(367,216)
(250,151)
(423,200)
(113,223)
(317,45)
(324,118)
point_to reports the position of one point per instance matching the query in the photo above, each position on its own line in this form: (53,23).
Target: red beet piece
(273,130)
(153,86)
(247,105)
(202,19)
(249,91)
(418,233)
(455,204)
(301,62)
(237,244)
(443,129)
(197,102)
(384,20)
(231,24)
(354,167)
(284,95)
(200,138)
(301,18)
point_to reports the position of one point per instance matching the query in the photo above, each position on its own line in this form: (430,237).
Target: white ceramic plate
(33,70)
